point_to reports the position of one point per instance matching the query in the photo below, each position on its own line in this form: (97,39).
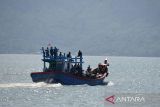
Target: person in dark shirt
(69,55)
(88,72)
(60,54)
(47,52)
(79,53)
(55,51)
(43,51)
(79,69)
(51,51)
(89,68)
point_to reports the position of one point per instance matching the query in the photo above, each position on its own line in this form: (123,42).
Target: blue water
(128,75)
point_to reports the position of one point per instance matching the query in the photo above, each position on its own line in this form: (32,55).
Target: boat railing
(63,59)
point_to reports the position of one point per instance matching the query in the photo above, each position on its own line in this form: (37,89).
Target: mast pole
(44,64)
(81,60)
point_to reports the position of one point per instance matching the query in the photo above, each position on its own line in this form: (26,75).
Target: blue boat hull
(65,78)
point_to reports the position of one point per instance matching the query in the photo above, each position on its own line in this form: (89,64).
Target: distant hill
(97,27)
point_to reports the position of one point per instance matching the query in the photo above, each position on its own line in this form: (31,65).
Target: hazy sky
(98,27)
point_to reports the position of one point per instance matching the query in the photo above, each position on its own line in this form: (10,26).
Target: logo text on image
(125,99)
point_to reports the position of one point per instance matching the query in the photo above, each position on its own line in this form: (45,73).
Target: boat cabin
(60,62)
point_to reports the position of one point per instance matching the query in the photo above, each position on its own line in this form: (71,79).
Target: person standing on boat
(69,55)
(51,51)
(55,51)
(43,52)
(69,61)
(47,52)
(79,53)
(60,54)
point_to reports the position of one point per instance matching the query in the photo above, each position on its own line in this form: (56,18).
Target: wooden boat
(68,70)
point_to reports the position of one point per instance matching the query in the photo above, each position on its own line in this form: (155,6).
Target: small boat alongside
(68,70)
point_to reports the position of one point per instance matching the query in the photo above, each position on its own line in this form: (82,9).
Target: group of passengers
(101,69)
(76,69)
(54,52)
(50,52)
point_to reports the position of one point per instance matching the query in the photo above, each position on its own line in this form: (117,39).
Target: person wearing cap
(106,62)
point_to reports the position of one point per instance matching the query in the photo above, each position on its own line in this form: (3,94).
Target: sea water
(129,77)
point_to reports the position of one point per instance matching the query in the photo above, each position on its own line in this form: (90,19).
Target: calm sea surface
(129,76)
